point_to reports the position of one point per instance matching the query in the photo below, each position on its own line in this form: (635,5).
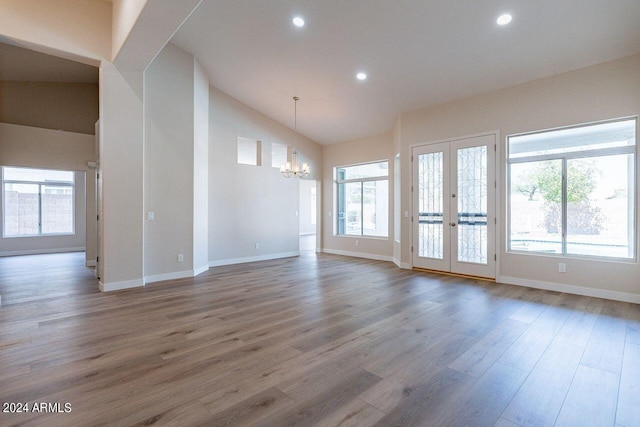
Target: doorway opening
(308,216)
(454,213)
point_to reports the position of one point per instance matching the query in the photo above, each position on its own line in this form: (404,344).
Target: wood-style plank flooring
(316,340)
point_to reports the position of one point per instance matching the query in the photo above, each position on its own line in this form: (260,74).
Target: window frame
(255,150)
(40,185)
(564,158)
(338,181)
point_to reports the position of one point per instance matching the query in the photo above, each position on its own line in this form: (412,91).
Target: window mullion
(565,202)
(40,209)
(362,208)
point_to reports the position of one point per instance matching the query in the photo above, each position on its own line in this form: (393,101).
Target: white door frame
(497,194)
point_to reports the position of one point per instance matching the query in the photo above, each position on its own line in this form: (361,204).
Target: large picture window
(362,199)
(37,202)
(572,190)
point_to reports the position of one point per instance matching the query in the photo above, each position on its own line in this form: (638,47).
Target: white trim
(200,270)
(358,254)
(400,264)
(0,300)
(168,276)
(90,263)
(230,261)
(43,251)
(455,138)
(571,289)
(497,192)
(116,286)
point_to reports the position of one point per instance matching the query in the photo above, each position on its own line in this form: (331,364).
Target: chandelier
(293,167)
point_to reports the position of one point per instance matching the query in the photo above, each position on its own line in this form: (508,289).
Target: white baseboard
(90,263)
(42,251)
(161,277)
(230,261)
(168,276)
(200,270)
(403,265)
(117,286)
(358,254)
(571,289)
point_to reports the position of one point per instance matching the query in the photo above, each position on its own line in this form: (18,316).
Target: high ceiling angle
(413,54)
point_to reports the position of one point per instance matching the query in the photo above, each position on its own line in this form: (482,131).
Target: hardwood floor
(316,340)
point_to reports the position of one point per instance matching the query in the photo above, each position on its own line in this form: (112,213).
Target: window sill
(350,236)
(39,235)
(575,257)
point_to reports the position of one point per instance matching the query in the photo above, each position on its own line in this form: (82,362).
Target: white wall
(251,204)
(125,13)
(200,169)
(600,92)
(49,149)
(121,162)
(176,166)
(168,162)
(72,29)
(141,29)
(379,147)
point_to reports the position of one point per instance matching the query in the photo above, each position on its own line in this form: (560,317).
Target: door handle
(453,224)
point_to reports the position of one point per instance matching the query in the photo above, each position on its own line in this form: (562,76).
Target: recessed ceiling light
(298,22)
(504,19)
(361,76)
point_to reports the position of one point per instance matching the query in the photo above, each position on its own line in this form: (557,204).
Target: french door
(454,223)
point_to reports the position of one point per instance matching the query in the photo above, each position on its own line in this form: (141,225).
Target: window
(37,202)
(363,199)
(572,191)
(249,151)
(278,155)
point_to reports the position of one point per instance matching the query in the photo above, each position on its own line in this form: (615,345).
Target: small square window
(278,155)
(249,151)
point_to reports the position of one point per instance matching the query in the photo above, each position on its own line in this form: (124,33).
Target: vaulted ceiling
(416,53)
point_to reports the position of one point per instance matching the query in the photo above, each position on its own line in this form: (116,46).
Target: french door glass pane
(600,205)
(430,205)
(472,204)
(536,206)
(353,199)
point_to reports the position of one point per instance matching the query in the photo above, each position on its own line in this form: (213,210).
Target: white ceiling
(417,53)
(19,64)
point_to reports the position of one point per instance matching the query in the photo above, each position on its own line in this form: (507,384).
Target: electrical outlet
(357,242)
(257,245)
(562,267)
(180,257)
(151,216)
